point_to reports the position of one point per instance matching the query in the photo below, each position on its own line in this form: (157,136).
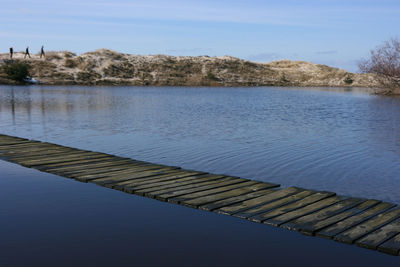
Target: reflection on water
(347,142)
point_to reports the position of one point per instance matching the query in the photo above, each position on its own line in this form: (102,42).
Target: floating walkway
(367,223)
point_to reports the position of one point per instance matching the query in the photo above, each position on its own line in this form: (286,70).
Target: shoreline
(110,68)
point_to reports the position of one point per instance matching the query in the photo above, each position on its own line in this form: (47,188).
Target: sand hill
(107,67)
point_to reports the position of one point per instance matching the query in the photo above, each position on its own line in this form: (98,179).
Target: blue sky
(332,32)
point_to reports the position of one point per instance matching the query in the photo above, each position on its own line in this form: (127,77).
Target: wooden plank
(78,164)
(25,154)
(179,198)
(4,138)
(91,171)
(154,180)
(78,168)
(274,217)
(302,222)
(255,214)
(32,144)
(234,200)
(312,228)
(53,155)
(41,166)
(7,143)
(45,162)
(379,236)
(358,231)
(255,202)
(226,181)
(196,202)
(203,181)
(154,192)
(96,168)
(126,174)
(392,246)
(132,169)
(167,181)
(305,210)
(112,181)
(34,152)
(64,157)
(351,221)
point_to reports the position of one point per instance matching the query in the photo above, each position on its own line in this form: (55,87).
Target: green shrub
(16,71)
(348,80)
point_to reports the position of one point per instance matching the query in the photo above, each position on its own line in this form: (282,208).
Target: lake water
(327,139)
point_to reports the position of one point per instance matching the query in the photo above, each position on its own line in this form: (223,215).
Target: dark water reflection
(47,220)
(340,140)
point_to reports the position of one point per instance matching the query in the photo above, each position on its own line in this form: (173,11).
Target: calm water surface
(336,140)
(47,220)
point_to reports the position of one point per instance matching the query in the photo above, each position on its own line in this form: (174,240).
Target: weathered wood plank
(126,174)
(6,144)
(379,236)
(307,209)
(27,146)
(167,181)
(62,158)
(301,200)
(312,228)
(94,166)
(53,158)
(26,153)
(78,164)
(199,178)
(153,180)
(120,173)
(268,217)
(45,162)
(310,219)
(54,153)
(154,192)
(253,214)
(98,168)
(234,200)
(353,220)
(392,246)
(241,206)
(181,198)
(194,203)
(227,181)
(120,181)
(203,184)
(358,231)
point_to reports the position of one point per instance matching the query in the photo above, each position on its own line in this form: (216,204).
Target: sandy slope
(106,67)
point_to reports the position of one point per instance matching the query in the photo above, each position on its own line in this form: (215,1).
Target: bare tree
(384,61)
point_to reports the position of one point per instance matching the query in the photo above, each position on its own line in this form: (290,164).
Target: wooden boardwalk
(367,223)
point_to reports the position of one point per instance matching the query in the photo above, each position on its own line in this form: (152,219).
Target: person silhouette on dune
(27,52)
(42,52)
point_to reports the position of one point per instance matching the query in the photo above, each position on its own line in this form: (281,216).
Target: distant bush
(16,71)
(384,61)
(348,80)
